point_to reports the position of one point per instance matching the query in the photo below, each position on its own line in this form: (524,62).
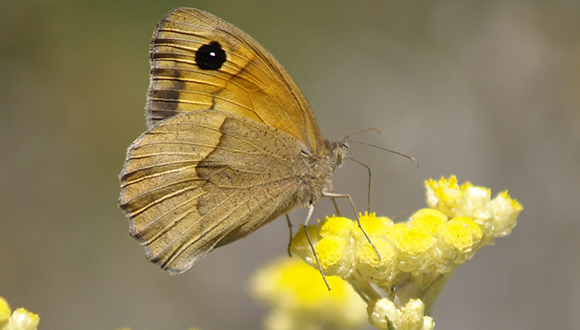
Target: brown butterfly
(231,143)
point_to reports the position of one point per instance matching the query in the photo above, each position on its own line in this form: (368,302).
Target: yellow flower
(461,233)
(428,221)
(374,227)
(5,312)
(300,300)
(337,226)
(371,268)
(496,217)
(334,248)
(443,194)
(415,247)
(300,246)
(457,243)
(20,319)
(504,212)
(331,253)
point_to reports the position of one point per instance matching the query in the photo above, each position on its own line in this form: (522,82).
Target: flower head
(299,298)
(383,314)
(417,256)
(20,319)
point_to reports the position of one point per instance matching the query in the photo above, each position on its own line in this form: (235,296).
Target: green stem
(431,293)
(364,289)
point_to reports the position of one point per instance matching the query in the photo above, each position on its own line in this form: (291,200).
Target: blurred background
(489,91)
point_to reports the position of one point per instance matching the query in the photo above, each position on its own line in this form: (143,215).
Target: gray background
(487,90)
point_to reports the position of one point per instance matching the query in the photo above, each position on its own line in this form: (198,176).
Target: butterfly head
(339,151)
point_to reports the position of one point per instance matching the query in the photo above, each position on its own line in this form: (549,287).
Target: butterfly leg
(290,230)
(335,207)
(333,196)
(304,225)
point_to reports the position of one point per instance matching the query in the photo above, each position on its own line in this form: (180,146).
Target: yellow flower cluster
(416,257)
(297,300)
(20,319)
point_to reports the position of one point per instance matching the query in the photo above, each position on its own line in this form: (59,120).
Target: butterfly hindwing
(200,179)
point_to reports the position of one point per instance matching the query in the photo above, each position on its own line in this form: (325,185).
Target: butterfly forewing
(250,82)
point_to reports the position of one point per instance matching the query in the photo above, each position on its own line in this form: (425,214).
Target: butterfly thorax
(317,180)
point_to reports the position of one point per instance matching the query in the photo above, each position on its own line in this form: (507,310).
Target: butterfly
(231,143)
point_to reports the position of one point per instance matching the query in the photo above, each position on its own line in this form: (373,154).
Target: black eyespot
(210,56)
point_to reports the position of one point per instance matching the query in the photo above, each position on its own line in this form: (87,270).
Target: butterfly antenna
(378,131)
(389,150)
